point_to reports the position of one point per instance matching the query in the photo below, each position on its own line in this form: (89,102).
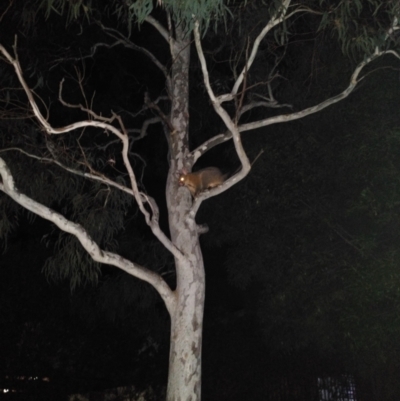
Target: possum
(201,180)
(207,178)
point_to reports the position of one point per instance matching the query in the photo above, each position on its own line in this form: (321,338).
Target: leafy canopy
(360,25)
(139,10)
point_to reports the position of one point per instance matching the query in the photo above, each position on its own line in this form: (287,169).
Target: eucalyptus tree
(255,35)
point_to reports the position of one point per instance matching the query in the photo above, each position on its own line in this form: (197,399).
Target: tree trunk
(184,381)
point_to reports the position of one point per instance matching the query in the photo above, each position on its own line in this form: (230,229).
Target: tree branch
(99,255)
(276,19)
(143,130)
(121,39)
(95,177)
(207,145)
(156,24)
(354,80)
(152,219)
(230,125)
(6,10)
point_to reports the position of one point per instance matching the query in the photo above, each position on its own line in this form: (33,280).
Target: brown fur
(206,178)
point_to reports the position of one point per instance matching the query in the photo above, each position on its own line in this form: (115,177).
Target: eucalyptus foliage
(360,25)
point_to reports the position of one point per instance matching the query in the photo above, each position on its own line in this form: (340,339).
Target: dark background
(301,257)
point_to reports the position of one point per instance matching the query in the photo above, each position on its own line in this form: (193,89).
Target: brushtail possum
(201,180)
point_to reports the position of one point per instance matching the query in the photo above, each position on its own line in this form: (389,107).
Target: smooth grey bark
(184,381)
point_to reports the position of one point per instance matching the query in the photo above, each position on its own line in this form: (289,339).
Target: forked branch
(276,19)
(354,80)
(216,101)
(105,123)
(99,255)
(229,123)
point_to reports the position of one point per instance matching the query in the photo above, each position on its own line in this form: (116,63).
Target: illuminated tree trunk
(184,382)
